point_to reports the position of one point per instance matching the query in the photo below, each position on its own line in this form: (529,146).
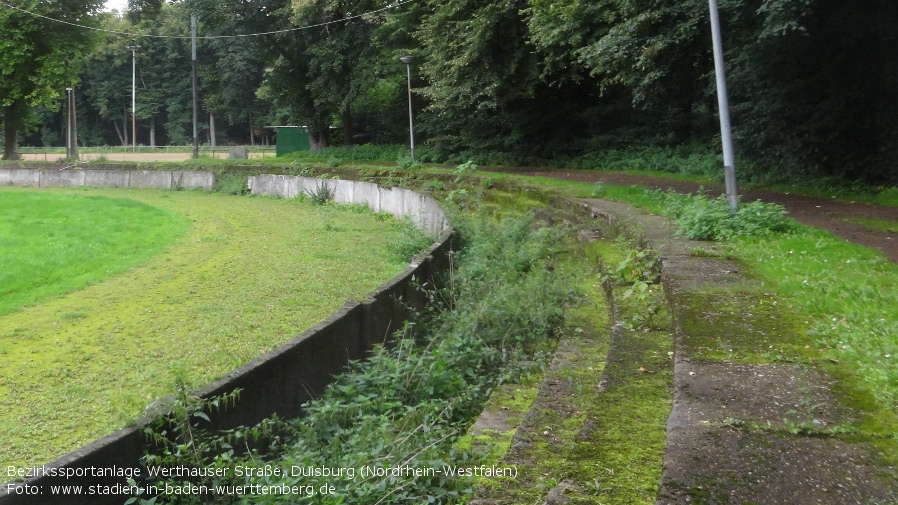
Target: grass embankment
(249,274)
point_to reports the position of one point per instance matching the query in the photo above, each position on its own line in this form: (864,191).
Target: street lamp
(408,59)
(133,96)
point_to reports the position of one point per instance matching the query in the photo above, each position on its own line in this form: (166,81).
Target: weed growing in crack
(321,194)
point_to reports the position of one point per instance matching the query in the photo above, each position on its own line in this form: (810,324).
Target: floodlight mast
(133,96)
(408,59)
(726,137)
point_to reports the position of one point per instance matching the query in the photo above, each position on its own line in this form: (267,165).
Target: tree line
(812,82)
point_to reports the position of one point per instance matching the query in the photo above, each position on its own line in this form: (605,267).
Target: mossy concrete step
(746,426)
(609,384)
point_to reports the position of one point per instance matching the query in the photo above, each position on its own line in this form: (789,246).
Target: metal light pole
(68,128)
(729,165)
(133,96)
(196,139)
(408,59)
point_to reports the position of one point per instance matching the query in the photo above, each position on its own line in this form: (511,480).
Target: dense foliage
(812,83)
(35,69)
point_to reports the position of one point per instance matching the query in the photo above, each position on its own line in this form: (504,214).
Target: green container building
(291,139)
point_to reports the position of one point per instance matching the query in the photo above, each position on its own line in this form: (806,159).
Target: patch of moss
(737,327)
(599,426)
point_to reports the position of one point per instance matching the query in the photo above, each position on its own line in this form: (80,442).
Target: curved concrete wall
(421,209)
(280,381)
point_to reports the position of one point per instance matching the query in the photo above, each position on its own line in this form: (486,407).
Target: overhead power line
(274,32)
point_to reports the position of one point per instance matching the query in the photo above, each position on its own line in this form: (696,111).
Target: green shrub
(322,193)
(230,184)
(702,218)
(405,162)
(410,240)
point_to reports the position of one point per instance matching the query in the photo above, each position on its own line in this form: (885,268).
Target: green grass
(53,243)
(847,296)
(249,274)
(888,226)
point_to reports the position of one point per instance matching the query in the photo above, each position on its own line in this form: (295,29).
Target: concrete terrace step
(744,429)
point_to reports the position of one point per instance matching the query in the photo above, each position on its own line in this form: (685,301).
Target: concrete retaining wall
(147,179)
(280,381)
(399,202)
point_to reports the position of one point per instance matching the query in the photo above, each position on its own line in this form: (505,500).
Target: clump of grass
(321,194)
(409,240)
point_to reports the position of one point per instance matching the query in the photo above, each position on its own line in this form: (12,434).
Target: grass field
(49,243)
(248,274)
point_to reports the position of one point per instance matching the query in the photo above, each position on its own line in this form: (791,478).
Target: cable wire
(209,37)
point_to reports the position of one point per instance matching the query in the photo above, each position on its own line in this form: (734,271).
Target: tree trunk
(252,139)
(121,138)
(11,122)
(212,130)
(152,132)
(319,140)
(347,126)
(125,128)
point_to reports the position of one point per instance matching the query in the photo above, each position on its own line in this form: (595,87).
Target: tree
(39,58)
(487,86)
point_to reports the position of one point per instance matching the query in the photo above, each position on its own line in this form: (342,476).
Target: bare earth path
(835,216)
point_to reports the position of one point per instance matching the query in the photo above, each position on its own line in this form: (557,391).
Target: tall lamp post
(71,137)
(68,122)
(133,96)
(408,59)
(726,136)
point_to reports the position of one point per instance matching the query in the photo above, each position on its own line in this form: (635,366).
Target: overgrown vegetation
(408,403)
(596,430)
(701,218)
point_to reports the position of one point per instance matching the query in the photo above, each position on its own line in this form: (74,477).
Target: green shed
(291,139)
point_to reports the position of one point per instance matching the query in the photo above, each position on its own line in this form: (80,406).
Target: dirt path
(838,217)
